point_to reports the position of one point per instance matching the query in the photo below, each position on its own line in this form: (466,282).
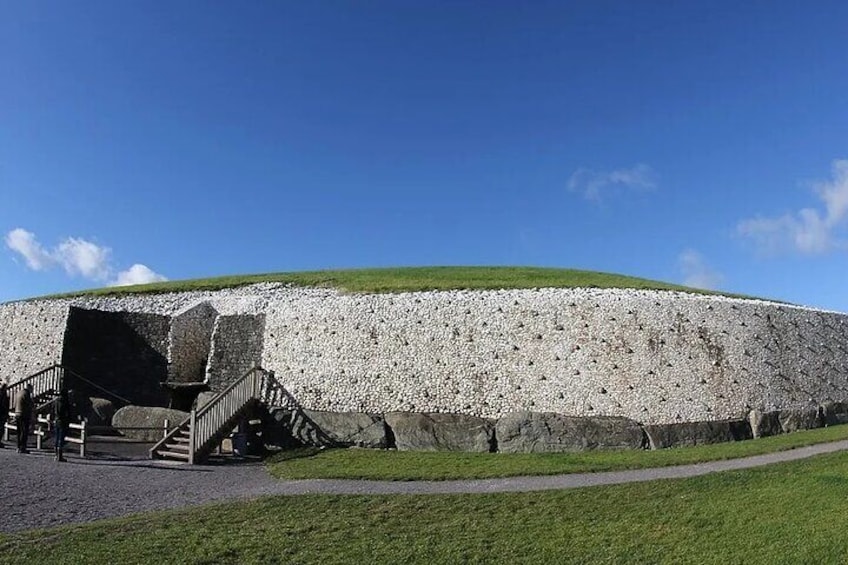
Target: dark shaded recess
(123,352)
(184,395)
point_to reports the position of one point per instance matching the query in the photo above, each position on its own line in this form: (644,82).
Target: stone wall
(124,352)
(31,337)
(236,347)
(653,357)
(189,343)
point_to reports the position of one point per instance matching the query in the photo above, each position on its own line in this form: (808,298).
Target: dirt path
(37,492)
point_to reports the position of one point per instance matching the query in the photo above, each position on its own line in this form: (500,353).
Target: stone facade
(650,357)
(236,347)
(31,337)
(189,343)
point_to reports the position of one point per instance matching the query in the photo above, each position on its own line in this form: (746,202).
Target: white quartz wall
(31,337)
(655,357)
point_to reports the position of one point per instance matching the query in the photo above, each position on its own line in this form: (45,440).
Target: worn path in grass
(38,492)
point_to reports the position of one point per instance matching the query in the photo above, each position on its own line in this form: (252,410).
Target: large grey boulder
(95,411)
(682,434)
(835,413)
(540,432)
(101,412)
(764,424)
(795,419)
(146,417)
(440,432)
(334,429)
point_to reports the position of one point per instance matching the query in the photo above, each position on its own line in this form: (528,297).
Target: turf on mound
(410,279)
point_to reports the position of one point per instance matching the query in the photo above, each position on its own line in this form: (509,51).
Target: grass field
(310,463)
(410,279)
(785,513)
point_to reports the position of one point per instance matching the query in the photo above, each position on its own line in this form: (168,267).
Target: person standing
(4,410)
(23,417)
(61,419)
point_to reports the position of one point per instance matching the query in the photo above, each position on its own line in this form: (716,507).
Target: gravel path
(38,492)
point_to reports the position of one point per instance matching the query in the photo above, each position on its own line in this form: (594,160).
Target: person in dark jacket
(4,409)
(61,419)
(23,417)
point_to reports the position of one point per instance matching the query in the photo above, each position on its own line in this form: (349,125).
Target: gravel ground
(37,492)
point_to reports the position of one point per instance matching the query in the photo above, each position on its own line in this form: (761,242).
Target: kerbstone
(764,424)
(534,432)
(440,432)
(835,413)
(146,417)
(682,434)
(329,429)
(792,420)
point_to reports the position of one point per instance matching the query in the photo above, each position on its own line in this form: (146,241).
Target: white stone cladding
(31,337)
(654,356)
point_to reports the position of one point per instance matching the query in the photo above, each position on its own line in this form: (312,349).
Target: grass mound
(410,279)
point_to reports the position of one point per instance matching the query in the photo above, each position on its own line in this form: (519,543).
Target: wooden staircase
(198,435)
(46,385)
(177,446)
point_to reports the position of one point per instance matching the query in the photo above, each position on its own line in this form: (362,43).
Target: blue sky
(691,142)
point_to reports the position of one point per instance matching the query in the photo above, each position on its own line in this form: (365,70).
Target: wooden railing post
(191,432)
(206,424)
(83,438)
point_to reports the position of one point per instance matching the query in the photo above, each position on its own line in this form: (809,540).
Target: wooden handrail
(206,423)
(53,378)
(213,416)
(44,381)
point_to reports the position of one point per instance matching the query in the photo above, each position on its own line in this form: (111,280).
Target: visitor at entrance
(61,419)
(4,410)
(23,417)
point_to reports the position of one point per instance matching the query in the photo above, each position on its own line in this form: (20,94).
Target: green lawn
(410,279)
(309,463)
(786,513)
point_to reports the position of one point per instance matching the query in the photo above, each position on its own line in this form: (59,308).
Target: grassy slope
(411,279)
(420,466)
(787,513)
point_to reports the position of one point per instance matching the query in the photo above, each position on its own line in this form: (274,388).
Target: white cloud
(78,257)
(809,231)
(593,183)
(696,272)
(81,257)
(137,274)
(24,243)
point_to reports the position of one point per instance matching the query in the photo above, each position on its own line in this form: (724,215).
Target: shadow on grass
(296,453)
